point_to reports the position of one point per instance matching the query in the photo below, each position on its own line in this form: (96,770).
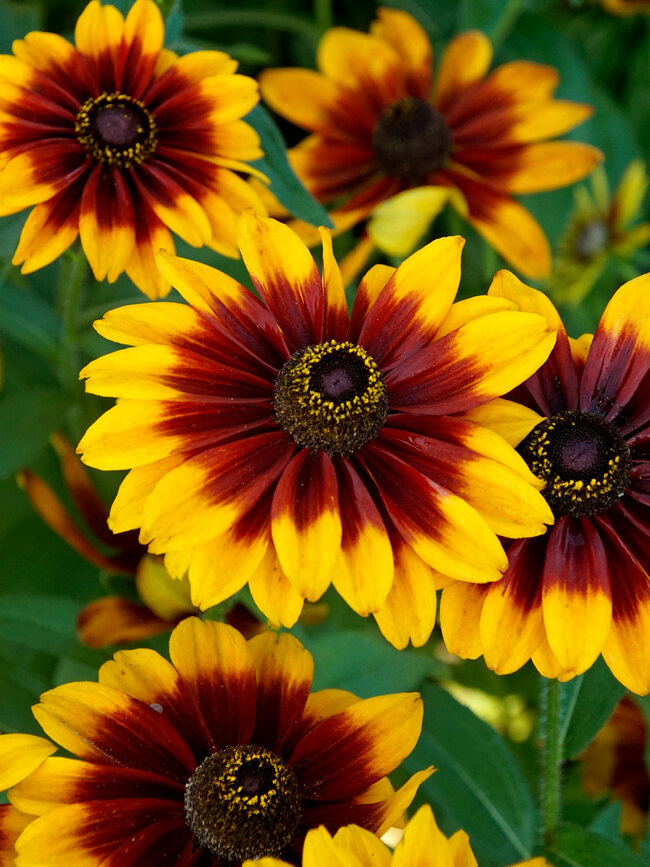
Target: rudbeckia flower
(118,140)
(110,619)
(380,124)
(283,442)
(423,844)
(615,762)
(582,426)
(603,231)
(218,756)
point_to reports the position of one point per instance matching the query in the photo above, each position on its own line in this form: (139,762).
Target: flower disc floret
(411,139)
(243,802)
(331,396)
(583,459)
(116,129)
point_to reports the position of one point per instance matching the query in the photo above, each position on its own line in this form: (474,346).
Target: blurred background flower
(380,123)
(158,602)
(603,232)
(614,763)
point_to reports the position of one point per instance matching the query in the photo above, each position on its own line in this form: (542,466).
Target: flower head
(601,230)
(380,124)
(582,589)
(118,140)
(423,844)
(285,443)
(218,756)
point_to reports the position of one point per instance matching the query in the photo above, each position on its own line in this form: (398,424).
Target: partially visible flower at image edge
(602,229)
(423,844)
(118,140)
(287,443)
(380,124)
(221,755)
(626,7)
(111,619)
(583,589)
(615,762)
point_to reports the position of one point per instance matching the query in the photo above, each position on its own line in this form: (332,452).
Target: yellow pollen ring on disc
(243,802)
(116,129)
(331,396)
(583,459)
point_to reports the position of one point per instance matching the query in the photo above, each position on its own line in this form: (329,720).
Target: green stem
(254,18)
(323,15)
(511,11)
(552,749)
(74,272)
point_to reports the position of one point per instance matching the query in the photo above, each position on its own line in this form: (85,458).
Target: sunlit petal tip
(506,285)
(20,755)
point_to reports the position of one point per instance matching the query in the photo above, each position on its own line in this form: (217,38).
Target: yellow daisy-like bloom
(601,230)
(583,588)
(423,845)
(290,444)
(221,755)
(380,124)
(118,140)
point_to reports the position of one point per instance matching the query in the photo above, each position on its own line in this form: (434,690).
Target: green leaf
(284,183)
(494,17)
(378,668)
(30,417)
(577,847)
(478,785)
(47,624)
(607,822)
(595,695)
(16,19)
(30,322)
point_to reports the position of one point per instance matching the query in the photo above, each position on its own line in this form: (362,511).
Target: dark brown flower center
(332,397)
(592,238)
(583,459)
(243,802)
(116,129)
(411,140)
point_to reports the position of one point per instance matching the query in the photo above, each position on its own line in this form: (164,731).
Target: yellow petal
(550,165)
(128,507)
(273,593)
(409,612)
(423,843)
(397,224)
(20,755)
(466,60)
(168,598)
(301,95)
(99,28)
